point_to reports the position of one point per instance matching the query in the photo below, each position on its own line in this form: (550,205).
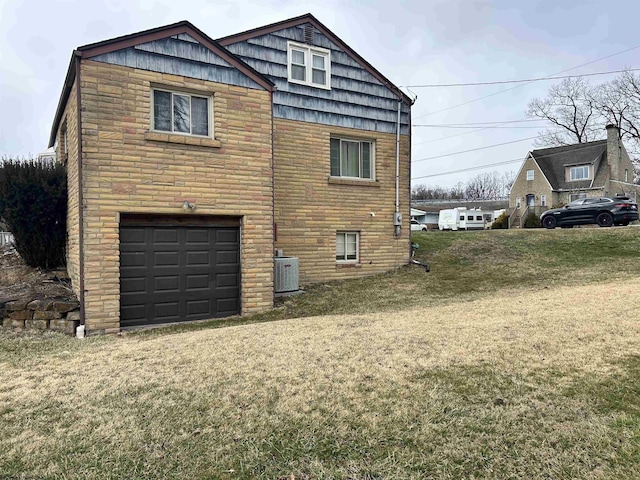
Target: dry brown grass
(524,386)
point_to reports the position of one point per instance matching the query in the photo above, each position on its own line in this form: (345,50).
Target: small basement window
(347,249)
(182,113)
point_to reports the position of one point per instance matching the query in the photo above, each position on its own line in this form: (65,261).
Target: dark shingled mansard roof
(552,162)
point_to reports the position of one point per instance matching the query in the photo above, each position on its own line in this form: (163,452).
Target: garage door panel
(133,311)
(163,259)
(165,235)
(166,283)
(226,280)
(133,285)
(198,236)
(226,306)
(133,236)
(164,310)
(198,307)
(227,235)
(227,257)
(198,258)
(198,281)
(132,259)
(172,274)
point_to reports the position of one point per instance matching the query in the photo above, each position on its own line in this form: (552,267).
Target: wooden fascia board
(64,97)
(134,39)
(308,18)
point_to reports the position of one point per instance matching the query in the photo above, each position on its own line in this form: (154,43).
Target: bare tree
(570,108)
(485,186)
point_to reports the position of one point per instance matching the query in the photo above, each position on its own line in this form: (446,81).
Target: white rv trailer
(461,218)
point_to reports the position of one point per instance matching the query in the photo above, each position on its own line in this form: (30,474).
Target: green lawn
(517,356)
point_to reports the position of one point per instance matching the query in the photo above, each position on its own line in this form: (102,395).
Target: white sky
(410,42)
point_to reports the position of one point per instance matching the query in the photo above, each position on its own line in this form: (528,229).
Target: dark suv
(604,211)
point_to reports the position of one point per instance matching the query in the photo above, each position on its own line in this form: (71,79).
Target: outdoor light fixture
(187,205)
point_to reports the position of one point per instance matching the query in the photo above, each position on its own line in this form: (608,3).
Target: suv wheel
(549,222)
(604,220)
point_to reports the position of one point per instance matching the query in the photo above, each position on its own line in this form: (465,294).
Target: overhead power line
(523,84)
(496,164)
(503,122)
(473,149)
(526,80)
(462,170)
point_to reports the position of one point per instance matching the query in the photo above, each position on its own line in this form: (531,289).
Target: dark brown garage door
(178,270)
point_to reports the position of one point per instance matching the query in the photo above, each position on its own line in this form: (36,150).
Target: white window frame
(209,99)
(346,234)
(543,200)
(572,170)
(530,175)
(518,202)
(372,158)
(577,196)
(308,52)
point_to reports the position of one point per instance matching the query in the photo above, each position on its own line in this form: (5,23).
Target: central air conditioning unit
(286,275)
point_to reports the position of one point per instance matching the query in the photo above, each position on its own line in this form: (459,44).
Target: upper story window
(309,65)
(579,173)
(529,174)
(183,113)
(352,158)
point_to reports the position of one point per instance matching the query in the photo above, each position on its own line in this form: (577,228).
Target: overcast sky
(410,42)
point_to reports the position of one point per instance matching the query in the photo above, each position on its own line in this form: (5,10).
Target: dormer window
(579,173)
(309,65)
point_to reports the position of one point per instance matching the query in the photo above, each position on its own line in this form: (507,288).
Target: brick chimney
(613,151)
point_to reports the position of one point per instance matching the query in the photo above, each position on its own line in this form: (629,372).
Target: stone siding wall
(59,315)
(128,168)
(538,186)
(310,207)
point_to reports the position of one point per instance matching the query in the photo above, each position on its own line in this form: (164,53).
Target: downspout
(397,216)
(274,225)
(80,333)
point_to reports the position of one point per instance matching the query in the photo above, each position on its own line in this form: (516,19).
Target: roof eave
(309,18)
(64,97)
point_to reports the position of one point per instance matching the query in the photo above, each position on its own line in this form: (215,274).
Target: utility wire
(479,167)
(473,149)
(523,84)
(527,80)
(506,162)
(502,122)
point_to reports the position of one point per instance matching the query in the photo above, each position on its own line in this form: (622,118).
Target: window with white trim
(579,173)
(347,250)
(543,200)
(182,113)
(309,65)
(518,200)
(352,158)
(529,174)
(577,196)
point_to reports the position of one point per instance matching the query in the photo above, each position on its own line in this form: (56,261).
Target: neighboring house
(555,176)
(424,217)
(191,160)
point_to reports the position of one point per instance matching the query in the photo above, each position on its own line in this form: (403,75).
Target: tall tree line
(485,186)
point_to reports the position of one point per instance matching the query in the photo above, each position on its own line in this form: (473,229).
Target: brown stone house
(191,160)
(555,176)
